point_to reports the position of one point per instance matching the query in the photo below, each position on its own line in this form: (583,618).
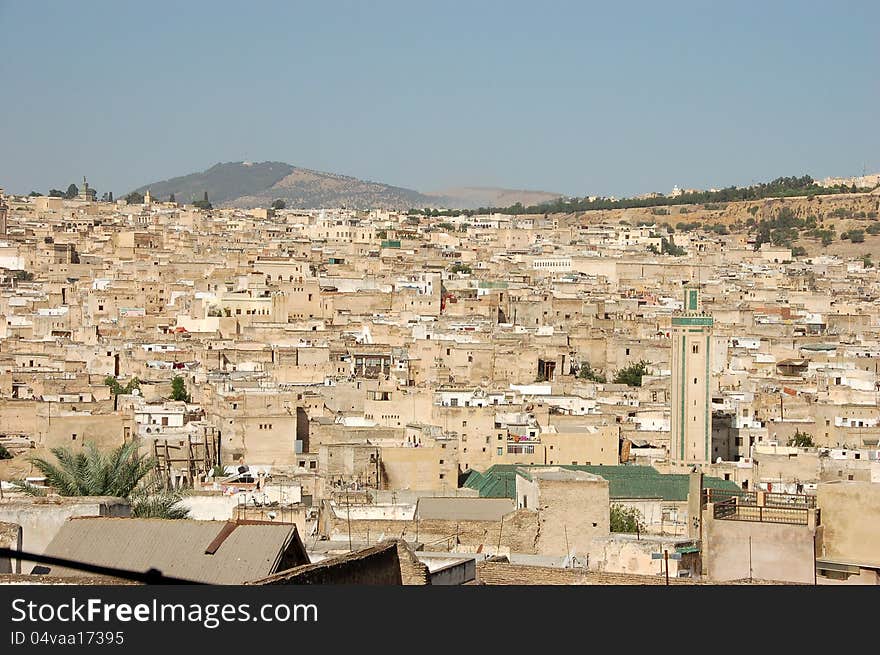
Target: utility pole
(666,560)
(750,558)
(348,507)
(567,548)
(500,528)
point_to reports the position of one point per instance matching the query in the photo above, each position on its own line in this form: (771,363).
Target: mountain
(476,197)
(246,185)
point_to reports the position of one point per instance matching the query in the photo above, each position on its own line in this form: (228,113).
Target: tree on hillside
(171,198)
(279,204)
(632,375)
(204,203)
(178,389)
(135,198)
(119,472)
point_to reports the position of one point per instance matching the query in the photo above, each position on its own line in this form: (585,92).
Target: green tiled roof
(624,481)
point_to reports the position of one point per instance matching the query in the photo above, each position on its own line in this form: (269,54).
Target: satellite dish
(718,461)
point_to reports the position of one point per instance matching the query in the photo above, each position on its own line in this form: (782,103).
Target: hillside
(476,197)
(246,185)
(223,182)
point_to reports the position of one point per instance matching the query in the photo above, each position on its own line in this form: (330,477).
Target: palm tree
(119,472)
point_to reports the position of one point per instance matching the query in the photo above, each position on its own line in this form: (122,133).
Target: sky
(579,98)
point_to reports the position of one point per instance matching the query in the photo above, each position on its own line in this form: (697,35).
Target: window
(313,464)
(695,349)
(73,438)
(695,380)
(500,450)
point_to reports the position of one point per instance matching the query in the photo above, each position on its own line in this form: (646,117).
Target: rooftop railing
(763,507)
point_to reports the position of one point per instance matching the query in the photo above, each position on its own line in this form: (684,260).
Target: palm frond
(29,489)
(162,505)
(92,472)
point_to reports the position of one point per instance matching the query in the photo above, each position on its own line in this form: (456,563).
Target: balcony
(762,507)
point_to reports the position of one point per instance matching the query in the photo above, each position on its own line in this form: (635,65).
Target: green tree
(134,198)
(802,440)
(117,389)
(626,519)
(178,389)
(119,472)
(632,374)
(279,204)
(668,247)
(34,194)
(171,198)
(56,193)
(72,192)
(857,236)
(587,372)
(461,268)
(4,454)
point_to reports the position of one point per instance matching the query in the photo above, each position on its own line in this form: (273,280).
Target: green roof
(624,481)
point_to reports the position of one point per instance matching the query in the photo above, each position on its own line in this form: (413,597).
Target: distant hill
(476,197)
(246,185)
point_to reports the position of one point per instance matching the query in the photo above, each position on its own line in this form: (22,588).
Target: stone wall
(518,531)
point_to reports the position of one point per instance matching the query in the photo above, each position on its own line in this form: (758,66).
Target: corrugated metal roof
(175,547)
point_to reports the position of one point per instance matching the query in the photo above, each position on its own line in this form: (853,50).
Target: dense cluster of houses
(523,396)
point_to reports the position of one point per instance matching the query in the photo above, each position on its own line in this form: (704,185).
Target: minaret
(691,425)
(3,212)
(86,193)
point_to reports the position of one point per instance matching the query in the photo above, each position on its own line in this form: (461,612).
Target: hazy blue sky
(573,97)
